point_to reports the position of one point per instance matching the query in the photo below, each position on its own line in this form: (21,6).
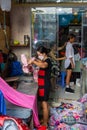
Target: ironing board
(27,90)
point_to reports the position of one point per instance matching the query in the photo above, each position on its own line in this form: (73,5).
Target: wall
(20,26)
(2,34)
(2,39)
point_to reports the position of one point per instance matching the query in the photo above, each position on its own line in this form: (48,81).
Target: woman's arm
(55,58)
(39,63)
(51,54)
(62,47)
(61,58)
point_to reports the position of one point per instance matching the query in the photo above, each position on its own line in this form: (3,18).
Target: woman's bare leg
(68,76)
(45,109)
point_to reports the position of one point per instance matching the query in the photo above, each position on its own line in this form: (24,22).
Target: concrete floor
(60,96)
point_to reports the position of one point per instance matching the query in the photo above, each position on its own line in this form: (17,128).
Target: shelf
(74,24)
(19,45)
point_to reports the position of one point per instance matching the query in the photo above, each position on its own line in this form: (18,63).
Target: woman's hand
(73,66)
(30,61)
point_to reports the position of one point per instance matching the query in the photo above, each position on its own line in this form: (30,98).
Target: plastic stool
(2,104)
(63,74)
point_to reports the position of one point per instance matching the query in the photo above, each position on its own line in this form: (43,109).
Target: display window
(52,25)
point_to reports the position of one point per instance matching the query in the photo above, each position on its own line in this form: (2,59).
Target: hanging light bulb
(5,5)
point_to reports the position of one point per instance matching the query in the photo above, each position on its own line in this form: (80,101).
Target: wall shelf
(16,46)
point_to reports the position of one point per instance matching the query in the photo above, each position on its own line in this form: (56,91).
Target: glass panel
(44,27)
(52,25)
(84,36)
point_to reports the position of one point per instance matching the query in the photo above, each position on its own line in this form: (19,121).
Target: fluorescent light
(58,1)
(5,5)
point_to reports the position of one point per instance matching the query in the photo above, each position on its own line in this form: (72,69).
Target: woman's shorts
(69,67)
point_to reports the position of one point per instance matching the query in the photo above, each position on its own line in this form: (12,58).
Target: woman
(44,85)
(53,51)
(69,62)
(55,68)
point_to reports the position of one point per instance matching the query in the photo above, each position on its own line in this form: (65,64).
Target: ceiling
(36,1)
(62,6)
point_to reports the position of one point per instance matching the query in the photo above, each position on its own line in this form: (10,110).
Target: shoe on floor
(69,90)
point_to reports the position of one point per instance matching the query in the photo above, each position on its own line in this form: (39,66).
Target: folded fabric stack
(68,116)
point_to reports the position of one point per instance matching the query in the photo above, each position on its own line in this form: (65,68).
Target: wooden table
(11,79)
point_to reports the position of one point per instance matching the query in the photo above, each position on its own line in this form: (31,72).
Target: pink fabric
(20,99)
(24,60)
(25,67)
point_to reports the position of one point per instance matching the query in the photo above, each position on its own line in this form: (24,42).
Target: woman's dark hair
(70,36)
(11,56)
(43,49)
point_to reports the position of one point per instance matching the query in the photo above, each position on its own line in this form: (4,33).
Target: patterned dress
(44,83)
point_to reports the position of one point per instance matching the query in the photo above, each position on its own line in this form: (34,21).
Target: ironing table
(27,86)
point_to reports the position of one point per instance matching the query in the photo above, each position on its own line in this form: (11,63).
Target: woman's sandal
(43,127)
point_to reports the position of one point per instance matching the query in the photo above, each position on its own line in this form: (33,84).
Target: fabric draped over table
(20,99)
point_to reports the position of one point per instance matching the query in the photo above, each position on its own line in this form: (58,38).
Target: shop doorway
(53,24)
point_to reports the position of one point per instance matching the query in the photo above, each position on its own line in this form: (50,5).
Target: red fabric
(30,68)
(1,58)
(41,92)
(19,122)
(62,53)
(40,82)
(41,73)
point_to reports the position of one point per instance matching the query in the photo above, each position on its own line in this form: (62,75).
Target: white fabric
(69,54)
(5,5)
(77,57)
(67,86)
(24,60)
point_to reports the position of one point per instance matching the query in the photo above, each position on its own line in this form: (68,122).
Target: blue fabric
(16,68)
(2,104)
(62,80)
